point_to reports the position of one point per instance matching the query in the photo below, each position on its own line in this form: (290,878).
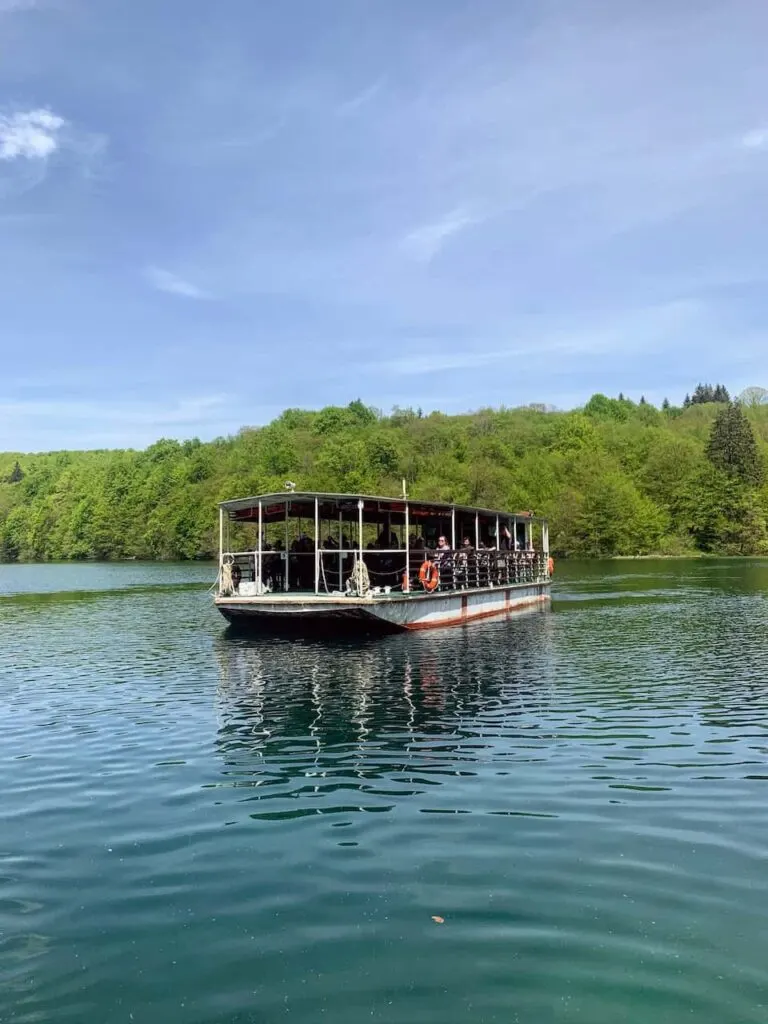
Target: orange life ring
(429,575)
(551,566)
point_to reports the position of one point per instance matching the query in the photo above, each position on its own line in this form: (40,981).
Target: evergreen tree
(732,446)
(705,393)
(642,400)
(16,475)
(665,405)
(687,402)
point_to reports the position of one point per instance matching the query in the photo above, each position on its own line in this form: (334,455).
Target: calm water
(196,828)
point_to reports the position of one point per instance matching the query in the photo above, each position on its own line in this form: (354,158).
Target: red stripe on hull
(468,616)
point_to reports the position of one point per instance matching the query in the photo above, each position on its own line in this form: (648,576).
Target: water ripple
(204,828)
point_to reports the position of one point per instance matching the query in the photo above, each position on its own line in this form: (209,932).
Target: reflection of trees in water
(374,702)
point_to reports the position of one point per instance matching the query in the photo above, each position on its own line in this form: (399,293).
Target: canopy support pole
(259,577)
(317,547)
(341,556)
(221,544)
(287,560)
(453,529)
(477,531)
(407,573)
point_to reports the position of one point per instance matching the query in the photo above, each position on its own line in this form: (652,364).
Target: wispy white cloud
(29,139)
(30,134)
(53,423)
(184,410)
(165,281)
(8,6)
(528,341)
(352,105)
(755,139)
(423,243)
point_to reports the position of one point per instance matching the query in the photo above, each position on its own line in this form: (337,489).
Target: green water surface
(197,828)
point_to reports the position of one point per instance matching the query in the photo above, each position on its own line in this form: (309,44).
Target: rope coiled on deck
(226,586)
(359,582)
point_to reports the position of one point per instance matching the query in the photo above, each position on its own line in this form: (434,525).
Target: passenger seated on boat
(330,564)
(462,561)
(271,565)
(391,566)
(373,562)
(349,557)
(443,549)
(302,570)
(444,561)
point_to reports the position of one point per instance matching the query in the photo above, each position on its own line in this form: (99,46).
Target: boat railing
(327,570)
(468,568)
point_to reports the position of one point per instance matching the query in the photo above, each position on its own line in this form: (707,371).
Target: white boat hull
(388,613)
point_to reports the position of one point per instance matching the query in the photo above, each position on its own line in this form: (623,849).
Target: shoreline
(688,557)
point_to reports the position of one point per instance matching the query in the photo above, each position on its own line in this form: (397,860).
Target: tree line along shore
(615,477)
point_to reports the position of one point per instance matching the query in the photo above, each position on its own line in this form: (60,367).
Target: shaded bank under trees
(616,477)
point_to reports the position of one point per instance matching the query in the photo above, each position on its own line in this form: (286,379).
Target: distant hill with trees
(615,477)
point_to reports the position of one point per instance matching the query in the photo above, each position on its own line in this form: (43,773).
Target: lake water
(202,829)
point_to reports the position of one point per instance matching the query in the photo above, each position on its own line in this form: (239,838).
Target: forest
(615,477)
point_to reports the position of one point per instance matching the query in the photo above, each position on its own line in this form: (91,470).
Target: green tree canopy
(614,477)
(732,446)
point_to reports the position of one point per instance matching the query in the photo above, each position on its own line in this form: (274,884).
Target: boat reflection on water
(301,720)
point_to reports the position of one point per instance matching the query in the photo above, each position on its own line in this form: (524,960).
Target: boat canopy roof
(302,503)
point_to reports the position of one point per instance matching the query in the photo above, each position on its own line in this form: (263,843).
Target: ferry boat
(357,563)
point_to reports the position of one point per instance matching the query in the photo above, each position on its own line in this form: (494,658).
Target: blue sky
(212,211)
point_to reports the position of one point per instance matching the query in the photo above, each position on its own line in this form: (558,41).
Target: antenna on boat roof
(289,485)
(405,491)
